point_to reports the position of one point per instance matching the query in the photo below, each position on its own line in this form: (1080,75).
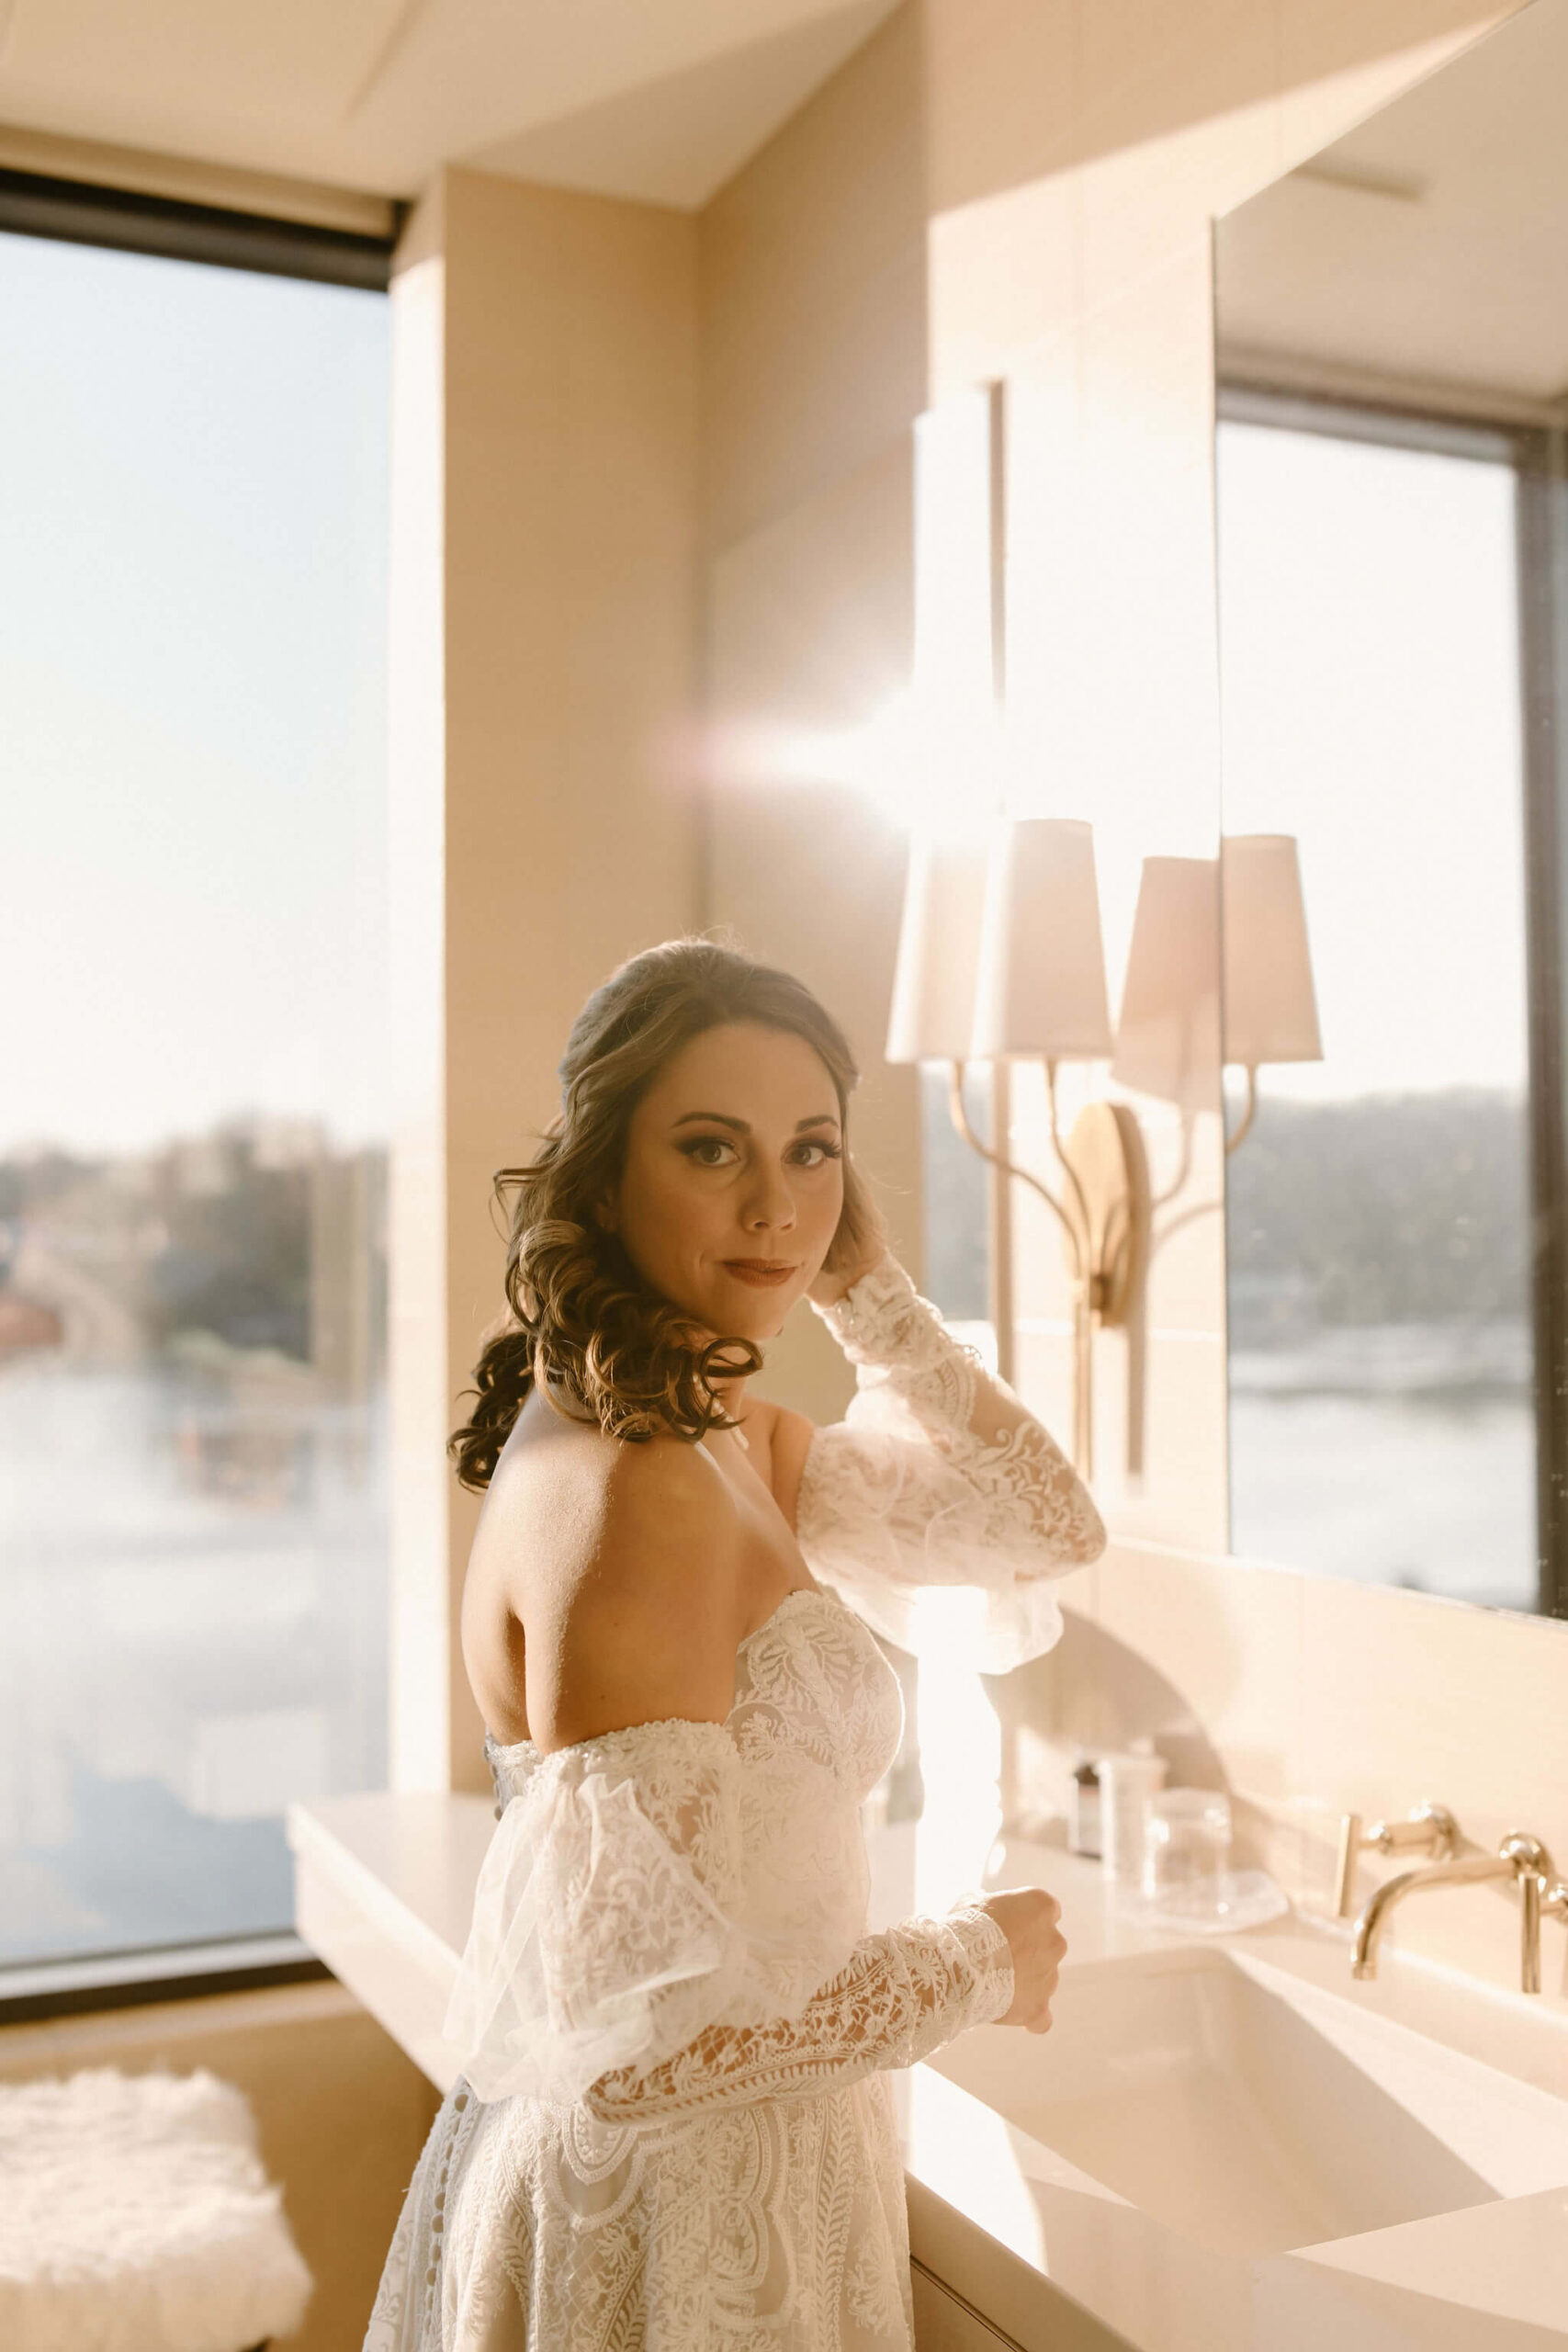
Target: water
(1399,1454)
(193,1585)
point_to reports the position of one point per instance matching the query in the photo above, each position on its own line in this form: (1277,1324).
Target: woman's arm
(620,1955)
(937,1475)
(902,1994)
(901,1348)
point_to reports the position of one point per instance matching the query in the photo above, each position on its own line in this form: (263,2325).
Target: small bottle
(1083,1807)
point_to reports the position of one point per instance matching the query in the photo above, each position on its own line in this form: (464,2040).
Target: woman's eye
(700,1144)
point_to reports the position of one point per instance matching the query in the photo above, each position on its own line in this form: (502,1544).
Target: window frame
(85,212)
(1537,455)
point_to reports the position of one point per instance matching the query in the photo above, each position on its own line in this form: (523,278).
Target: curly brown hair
(578,1304)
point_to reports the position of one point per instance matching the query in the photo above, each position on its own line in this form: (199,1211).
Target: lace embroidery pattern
(938,1476)
(678,2132)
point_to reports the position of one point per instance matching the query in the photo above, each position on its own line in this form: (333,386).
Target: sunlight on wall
(961,1755)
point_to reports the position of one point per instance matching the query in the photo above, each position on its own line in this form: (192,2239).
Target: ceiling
(1429,244)
(659,100)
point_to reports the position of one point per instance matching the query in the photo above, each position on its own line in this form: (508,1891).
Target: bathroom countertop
(384,1889)
(1490,2278)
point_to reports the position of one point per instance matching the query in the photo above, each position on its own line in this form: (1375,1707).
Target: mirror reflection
(1392,372)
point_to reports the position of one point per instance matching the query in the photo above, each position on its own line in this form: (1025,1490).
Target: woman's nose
(771,1203)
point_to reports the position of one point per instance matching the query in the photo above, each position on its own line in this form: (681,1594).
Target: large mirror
(1392,323)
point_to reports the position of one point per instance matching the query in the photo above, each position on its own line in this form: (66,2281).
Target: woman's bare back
(601,1570)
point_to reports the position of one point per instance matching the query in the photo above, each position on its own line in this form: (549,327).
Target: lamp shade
(1167,1039)
(1271,1007)
(938,947)
(1040,990)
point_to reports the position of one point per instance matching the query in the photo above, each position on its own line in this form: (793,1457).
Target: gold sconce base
(1105,1156)
(1105,1227)
(1109,1236)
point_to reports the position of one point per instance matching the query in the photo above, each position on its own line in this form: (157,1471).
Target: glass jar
(1187,1842)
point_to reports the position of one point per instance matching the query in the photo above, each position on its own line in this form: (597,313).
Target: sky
(193,524)
(1368,662)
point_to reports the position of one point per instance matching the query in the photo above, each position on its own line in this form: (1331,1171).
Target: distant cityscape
(194,1473)
(254,1237)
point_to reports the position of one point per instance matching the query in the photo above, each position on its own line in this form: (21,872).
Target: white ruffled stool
(135,2216)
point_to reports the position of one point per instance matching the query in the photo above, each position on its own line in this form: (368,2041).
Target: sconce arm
(961,1121)
(1183,1171)
(1203,1208)
(1086,1224)
(1245,1121)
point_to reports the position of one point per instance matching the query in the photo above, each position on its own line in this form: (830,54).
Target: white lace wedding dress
(673,2130)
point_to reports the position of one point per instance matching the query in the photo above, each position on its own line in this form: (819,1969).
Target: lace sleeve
(617,1933)
(903,1994)
(939,1475)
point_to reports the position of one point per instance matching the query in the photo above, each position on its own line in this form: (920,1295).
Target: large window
(193,1487)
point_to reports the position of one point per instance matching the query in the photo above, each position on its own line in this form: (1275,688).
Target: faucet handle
(1530,1858)
(1426,1829)
(1541,1890)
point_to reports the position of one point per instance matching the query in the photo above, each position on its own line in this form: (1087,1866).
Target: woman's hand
(1027,1916)
(869,1248)
(828,1288)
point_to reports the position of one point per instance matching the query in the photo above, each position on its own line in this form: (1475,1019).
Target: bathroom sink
(1253,2113)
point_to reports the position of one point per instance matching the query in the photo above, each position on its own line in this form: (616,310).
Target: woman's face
(732,1154)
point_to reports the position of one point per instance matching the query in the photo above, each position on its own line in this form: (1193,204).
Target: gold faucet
(1428,1828)
(1520,1858)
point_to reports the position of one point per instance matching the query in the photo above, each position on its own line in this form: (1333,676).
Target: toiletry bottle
(1083,1806)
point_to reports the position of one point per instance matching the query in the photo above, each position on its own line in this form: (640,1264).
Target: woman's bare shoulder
(787,1434)
(565,1492)
(603,1585)
(649,1626)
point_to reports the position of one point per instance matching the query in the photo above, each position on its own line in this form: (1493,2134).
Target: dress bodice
(811,1679)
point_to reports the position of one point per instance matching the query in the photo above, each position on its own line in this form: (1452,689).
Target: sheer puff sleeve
(623,1955)
(939,1476)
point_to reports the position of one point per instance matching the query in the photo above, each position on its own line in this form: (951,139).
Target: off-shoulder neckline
(494,1747)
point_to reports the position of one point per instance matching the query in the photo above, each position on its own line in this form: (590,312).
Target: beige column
(544,822)
(812,262)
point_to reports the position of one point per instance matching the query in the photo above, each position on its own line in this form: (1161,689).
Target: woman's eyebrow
(743,1126)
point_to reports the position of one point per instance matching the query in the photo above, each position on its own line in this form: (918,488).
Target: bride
(673,2127)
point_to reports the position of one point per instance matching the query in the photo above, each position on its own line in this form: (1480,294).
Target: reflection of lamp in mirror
(1270,1008)
(1180,970)
(1167,1038)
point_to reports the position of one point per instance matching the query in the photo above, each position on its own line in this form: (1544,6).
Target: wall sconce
(1270,1006)
(1218,972)
(1000,959)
